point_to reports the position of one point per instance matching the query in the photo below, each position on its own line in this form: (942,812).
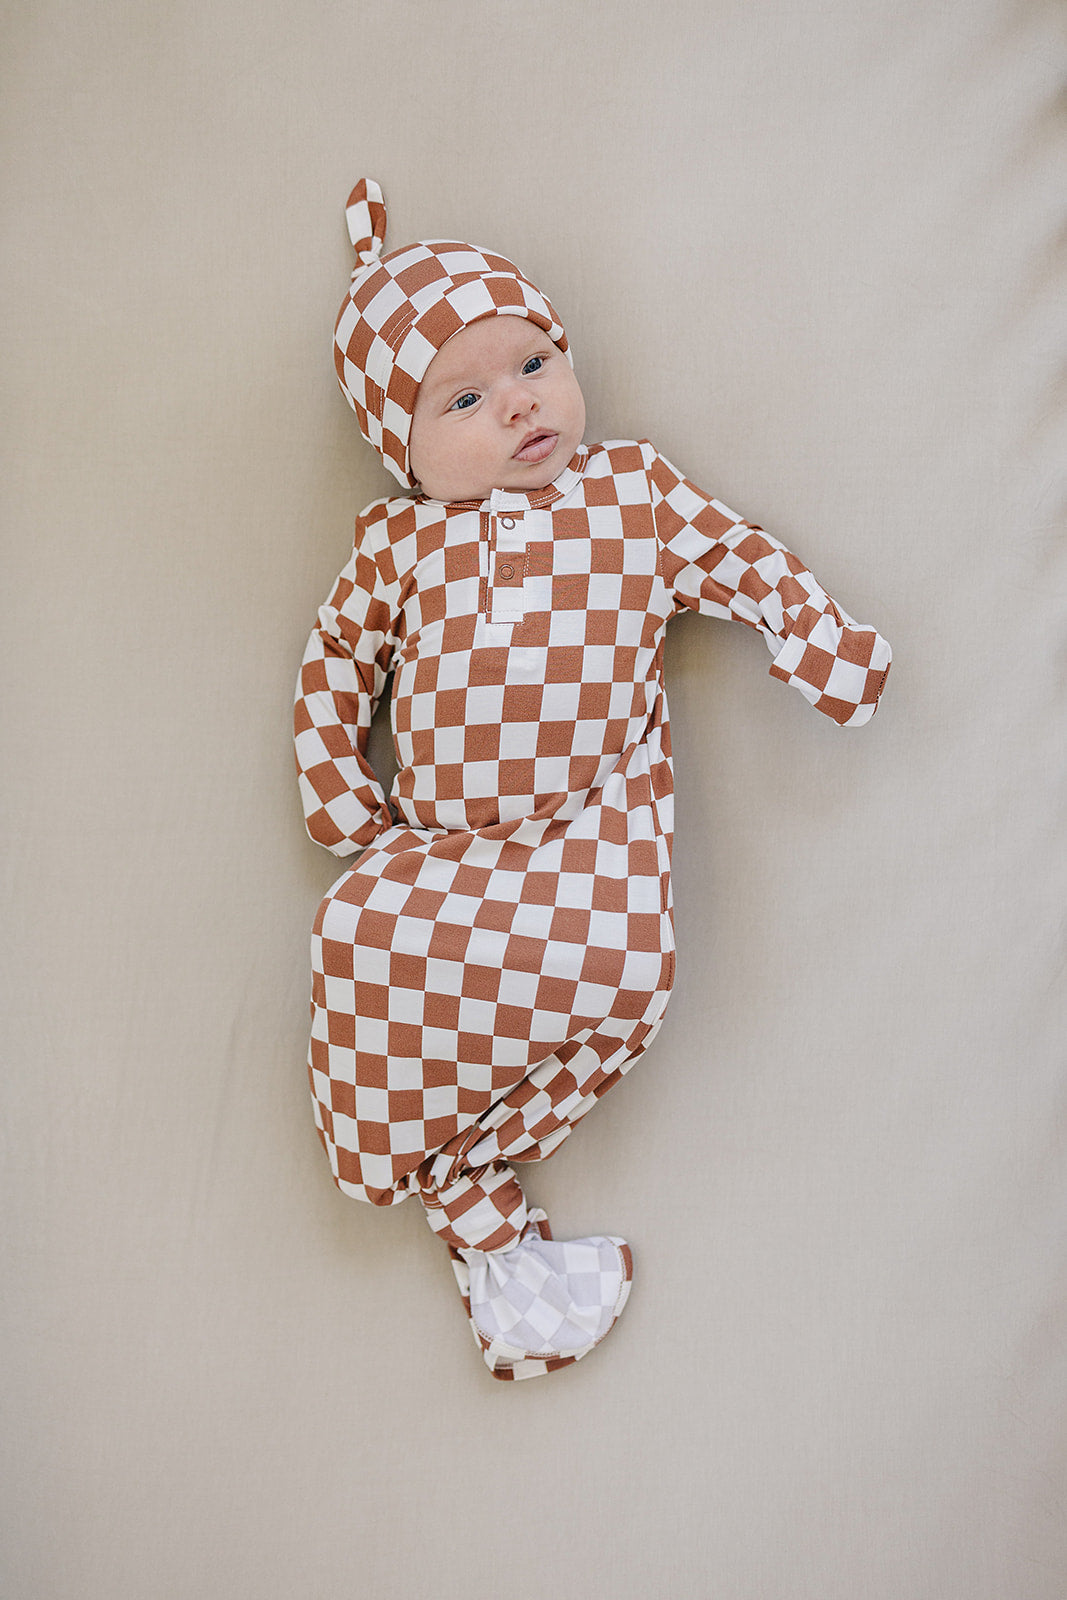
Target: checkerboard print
(543,1305)
(502,951)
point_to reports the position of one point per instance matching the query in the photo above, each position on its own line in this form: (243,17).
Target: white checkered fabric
(401,308)
(543,1304)
(502,950)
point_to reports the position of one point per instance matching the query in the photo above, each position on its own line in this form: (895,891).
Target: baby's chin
(529,483)
(531,477)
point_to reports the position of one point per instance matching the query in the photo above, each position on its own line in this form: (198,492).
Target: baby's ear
(365,214)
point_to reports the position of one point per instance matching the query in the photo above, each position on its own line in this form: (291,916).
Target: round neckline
(516,500)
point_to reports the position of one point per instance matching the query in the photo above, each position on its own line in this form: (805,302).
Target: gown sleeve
(715,562)
(341,680)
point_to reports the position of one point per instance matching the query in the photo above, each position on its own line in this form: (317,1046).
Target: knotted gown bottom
(475,993)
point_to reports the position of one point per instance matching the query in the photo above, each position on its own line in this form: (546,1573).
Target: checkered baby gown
(501,952)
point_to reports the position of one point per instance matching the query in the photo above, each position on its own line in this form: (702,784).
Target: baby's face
(499,408)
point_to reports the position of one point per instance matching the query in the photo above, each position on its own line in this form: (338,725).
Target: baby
(502,951)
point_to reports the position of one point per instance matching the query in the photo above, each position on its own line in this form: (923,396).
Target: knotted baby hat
(401,308)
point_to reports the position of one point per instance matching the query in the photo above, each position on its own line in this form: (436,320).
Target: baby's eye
(534,364)
(464,402)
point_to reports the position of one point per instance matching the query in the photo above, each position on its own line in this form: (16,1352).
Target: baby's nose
(519,400)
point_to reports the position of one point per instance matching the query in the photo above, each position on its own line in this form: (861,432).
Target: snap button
(507,572)
(507,522)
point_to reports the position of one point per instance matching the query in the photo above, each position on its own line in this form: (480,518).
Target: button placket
(507,568)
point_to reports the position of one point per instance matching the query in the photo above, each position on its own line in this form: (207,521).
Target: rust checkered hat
(400,309)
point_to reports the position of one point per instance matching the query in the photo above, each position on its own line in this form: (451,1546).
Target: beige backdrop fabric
(811,251)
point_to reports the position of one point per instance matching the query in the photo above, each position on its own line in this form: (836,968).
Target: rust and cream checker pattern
(502,952)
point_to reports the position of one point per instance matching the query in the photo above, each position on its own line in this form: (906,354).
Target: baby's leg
(534,1305)
(404,1057)
(452,1035)
(472,1196)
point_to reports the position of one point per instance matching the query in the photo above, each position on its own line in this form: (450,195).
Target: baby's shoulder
(388,522)
(616,456)
(388,509)
(620,472)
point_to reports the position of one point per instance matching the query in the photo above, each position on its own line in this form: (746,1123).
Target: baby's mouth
(536,446)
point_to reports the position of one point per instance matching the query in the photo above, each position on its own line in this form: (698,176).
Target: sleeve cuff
(839,669)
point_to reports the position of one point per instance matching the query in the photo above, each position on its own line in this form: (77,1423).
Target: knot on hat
(365,215)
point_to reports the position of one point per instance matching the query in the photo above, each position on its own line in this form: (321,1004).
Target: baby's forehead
(490,339)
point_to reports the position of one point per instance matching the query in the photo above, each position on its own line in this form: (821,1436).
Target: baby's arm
(341,681)
(717,563)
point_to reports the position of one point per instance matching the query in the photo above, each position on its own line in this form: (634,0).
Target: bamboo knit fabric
(502,951)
